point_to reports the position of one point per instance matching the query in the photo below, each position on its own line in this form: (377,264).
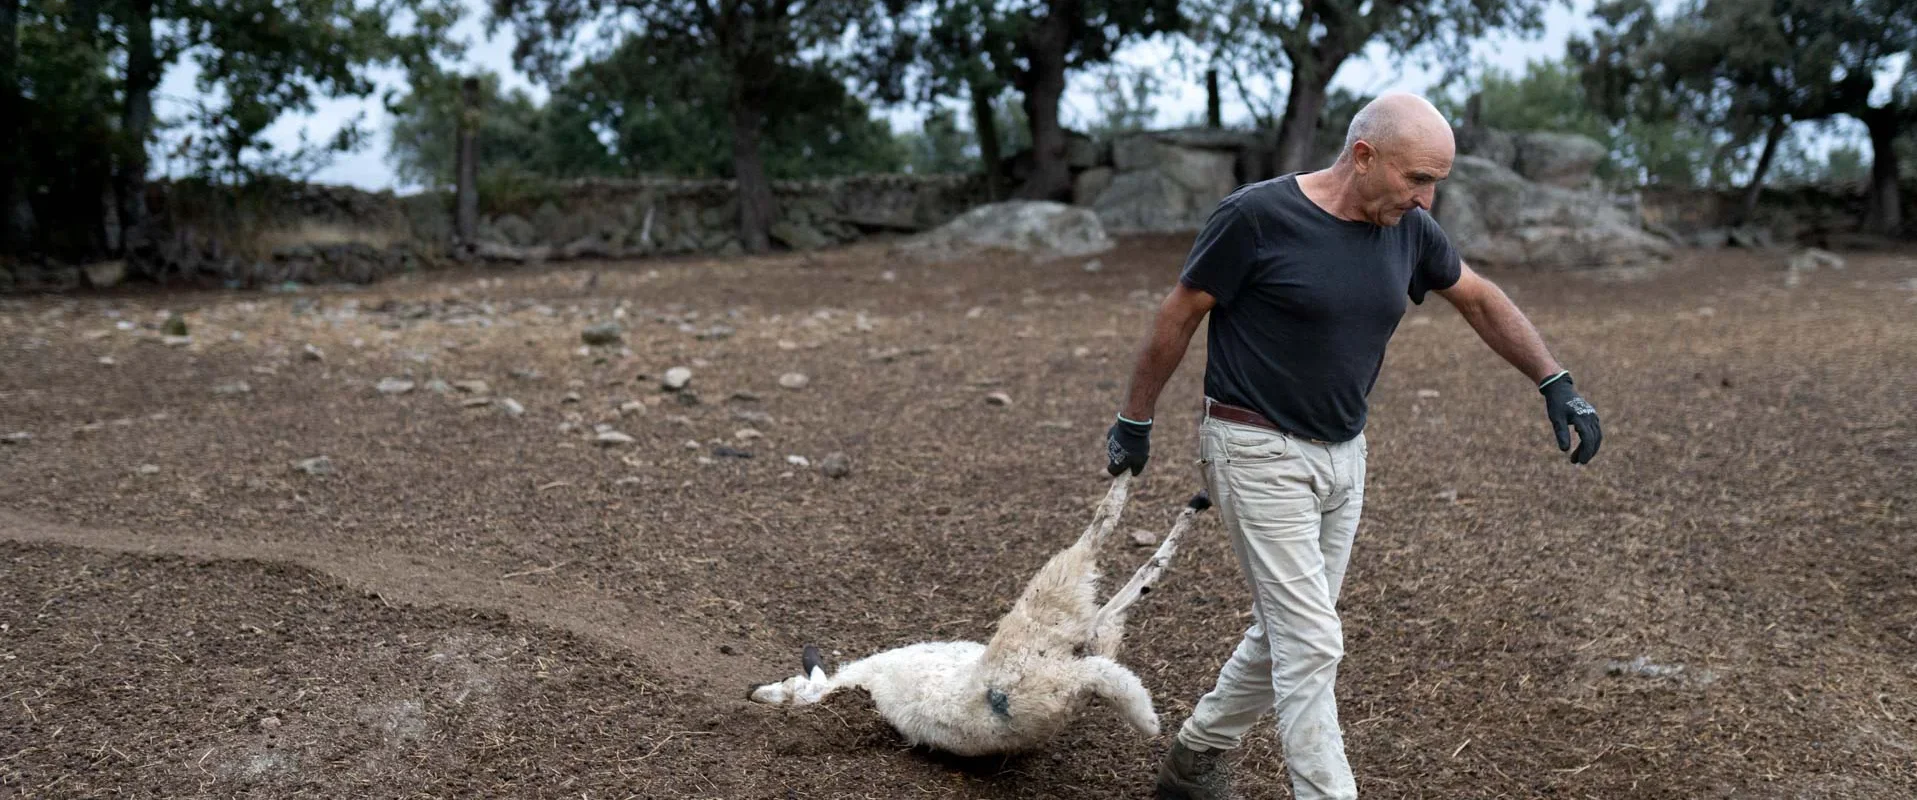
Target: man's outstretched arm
(1128,442)
(1510,334)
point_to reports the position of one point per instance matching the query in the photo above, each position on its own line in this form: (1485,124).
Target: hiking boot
(1188,774)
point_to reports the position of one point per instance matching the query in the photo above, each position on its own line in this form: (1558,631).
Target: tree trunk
(136,121)
(10,119)
(1772,138)
(985,124)
(748,168)
(466,169)
(1883,208)
(1043,84)
(1214,108)
(1310,75)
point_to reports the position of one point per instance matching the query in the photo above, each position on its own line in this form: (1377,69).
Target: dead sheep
(1053,651)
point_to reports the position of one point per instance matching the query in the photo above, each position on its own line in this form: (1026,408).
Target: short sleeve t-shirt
(1306,302)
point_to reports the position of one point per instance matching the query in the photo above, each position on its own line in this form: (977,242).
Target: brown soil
(479,604)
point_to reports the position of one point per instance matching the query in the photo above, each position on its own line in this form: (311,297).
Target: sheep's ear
(811,660)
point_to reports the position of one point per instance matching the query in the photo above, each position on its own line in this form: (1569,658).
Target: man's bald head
(1394,120)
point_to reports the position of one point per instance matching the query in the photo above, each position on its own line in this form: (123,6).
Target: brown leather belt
(1239,414)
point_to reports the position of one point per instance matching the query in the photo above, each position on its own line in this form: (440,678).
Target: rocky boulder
(1498,218)
(1558,159)
(1163,187)
(1040,229)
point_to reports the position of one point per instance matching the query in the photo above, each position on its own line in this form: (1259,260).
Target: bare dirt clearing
(479,593)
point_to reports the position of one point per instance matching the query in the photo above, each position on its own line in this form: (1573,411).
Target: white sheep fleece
(1049,654)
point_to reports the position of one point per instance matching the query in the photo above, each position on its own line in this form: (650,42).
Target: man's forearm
(1511,335)
(1157,360)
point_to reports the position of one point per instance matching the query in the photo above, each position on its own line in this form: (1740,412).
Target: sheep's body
(1049,654)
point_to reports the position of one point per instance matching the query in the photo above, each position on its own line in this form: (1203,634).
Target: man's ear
(1363,156)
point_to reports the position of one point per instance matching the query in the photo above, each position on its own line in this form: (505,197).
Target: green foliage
(940,146)
(640,111)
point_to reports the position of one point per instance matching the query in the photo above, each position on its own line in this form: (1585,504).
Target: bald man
(1306,277)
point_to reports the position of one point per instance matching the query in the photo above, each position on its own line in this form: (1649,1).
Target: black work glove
(1568,410)
(1128,445)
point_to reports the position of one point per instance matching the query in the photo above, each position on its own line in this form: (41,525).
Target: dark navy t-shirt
(1306,302)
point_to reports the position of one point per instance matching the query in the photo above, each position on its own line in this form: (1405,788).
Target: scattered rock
(175,325)
(1081,352)
(511,406)
(612,439)
(723,451)
(631,407)
(473,387)
(311,353)
(603,333)
(392,386)
(475,402)
(105,274)
(148,469)
(798,461)
(523,374)
(676,379)
(716,333)
(1144,538)
(1094,266)
(747,434)
(1427,394)
(236,387)
(318,465)
(836,465)
(693,444)
(176,341)
(571,397)
(998,399)
(437,386)
(758,417)
(1041,229)
(269,723)
(794,380)
(108,361)
(17,437)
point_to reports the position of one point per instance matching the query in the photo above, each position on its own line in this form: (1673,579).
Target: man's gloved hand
(1568,410)
(1128,445)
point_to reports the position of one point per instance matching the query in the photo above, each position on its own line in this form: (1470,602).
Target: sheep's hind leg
(1054,613)
(1109,626)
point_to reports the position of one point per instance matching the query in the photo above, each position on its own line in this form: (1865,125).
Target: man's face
(1400,176)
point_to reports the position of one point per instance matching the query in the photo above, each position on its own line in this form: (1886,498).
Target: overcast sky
(1179,99)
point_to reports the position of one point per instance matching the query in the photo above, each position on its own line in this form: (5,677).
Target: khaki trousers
(1290,506)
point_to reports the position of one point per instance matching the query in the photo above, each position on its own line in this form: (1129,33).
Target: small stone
(175,325)
(1081,352)
(888,276)
(603,333)
(1427,394)
(1056,424)
(886,355)
(269,723)
(798,461)
(107,361)
(1094,266)
(392,386)
(473,387)
(700,363)
(836,465)
(612,439)
(677,378)
(975,313)
(176,341)
(437,386)
(693,444)
(794,380)
(475,402)
(1448,495)
(747,434)
(17,437)
(723,451)
(788,344)
(236,387)
(1144,538)
(631,407)
(571,397)
(311,353)
(716,333)
(511,406)
(757,417)
(998,399)
(148,469)
(523,374)
(317,465)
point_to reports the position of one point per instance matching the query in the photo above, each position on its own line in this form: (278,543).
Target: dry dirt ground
(478,603)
